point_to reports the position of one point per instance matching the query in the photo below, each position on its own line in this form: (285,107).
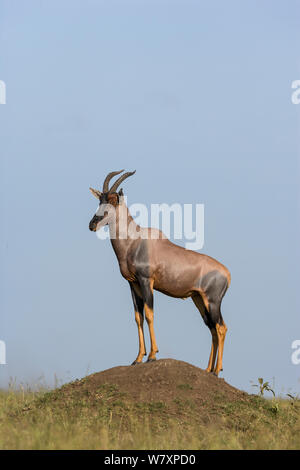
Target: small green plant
(185,387)
(263,387)
(294,399)
(275,407)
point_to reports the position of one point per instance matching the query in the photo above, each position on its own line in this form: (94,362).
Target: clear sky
(194,95)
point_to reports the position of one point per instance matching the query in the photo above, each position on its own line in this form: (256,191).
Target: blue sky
(194,95)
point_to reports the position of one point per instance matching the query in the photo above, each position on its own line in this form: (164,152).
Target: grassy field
(77,416)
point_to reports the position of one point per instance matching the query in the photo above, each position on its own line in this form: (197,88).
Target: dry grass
(107,419)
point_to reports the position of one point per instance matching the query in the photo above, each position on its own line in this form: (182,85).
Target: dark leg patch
(214,286)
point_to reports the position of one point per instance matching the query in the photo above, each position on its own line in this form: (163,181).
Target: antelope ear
(96,193)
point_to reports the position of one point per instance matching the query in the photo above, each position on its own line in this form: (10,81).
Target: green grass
(106,419)
(185,387)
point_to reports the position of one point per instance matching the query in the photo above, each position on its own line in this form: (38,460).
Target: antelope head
(109,199)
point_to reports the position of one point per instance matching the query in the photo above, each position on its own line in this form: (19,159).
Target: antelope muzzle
(94,222)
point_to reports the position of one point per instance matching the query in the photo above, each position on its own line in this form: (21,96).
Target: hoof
(151,360)
(215,374)
(136,362)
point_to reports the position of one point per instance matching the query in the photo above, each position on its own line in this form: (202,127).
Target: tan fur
(221,332)
(142,349)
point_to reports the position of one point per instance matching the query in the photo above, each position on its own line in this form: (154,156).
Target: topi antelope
(149,260)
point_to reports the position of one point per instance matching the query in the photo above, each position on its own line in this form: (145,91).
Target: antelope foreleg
(146,286)
(149,317)
(139,318)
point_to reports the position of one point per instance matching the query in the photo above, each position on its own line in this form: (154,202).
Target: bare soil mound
(166,387)
(163,380)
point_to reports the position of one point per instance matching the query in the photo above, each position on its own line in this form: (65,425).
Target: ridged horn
(108,178)
(119,180)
